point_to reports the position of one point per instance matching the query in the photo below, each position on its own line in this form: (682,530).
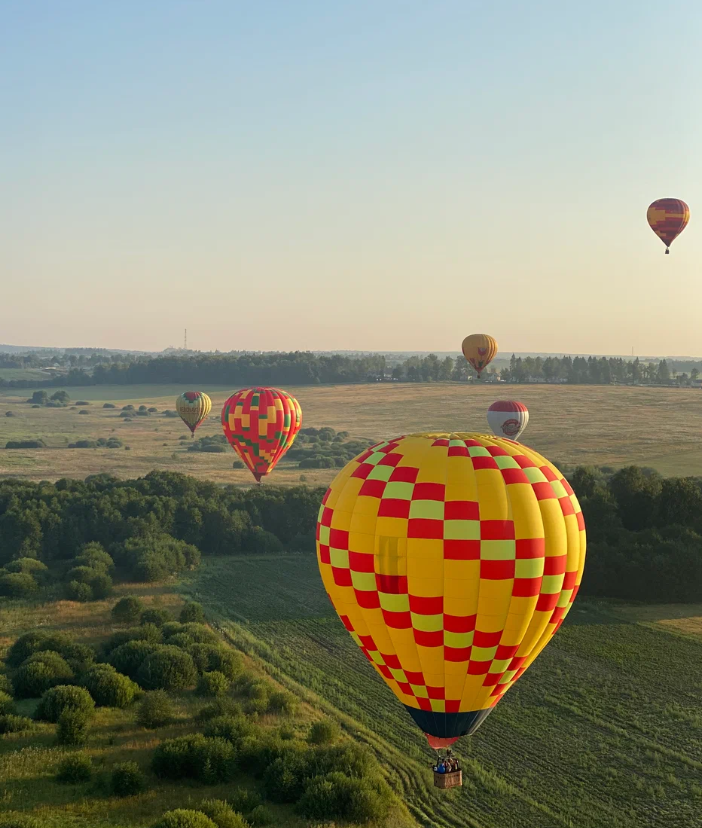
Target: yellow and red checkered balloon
(451,559)
(260,425)
(193,407)
(668,217)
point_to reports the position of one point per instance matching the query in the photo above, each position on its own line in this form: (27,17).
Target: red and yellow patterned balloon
(479,350)
(668,217)
(193,407)
(451,559)
(260,425)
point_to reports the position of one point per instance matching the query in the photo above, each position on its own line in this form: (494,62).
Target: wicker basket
(448,780)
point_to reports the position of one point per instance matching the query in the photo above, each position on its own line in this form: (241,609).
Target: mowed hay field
(603,730)
(600,425)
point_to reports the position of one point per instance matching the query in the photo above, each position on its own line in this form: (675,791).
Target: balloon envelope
(451,559)
(508,418)
(193,407)
(260,425)
(668,217)
(479,350)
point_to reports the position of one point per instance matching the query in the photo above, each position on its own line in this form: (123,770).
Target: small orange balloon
(668,217)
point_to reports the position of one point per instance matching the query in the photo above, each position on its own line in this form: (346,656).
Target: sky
(349,175)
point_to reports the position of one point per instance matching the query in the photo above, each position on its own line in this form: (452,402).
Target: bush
(233,728)
(128,658)
(78,591)
(17,585)
(72,728)
(14,724)
(211,657)
(243,800)
(283,778)
(146,632)
(82,402)
(61,698)
(36,642)
(261,542)
(158,617)
(201,633)
(238,464)
(219,707)
(337,796)
(208,760)
(192,612)
(7,703)
(184,818)
(183,641)
(212,684)
(5,684)
(127,609)
(39,673)
(127,408)
(30,566)
(109,405)
(156,709)
(21,820)
(325,732)
(167,668)
(24,444)
(84,412)
(75,769)
(93,555)
(127,779)
(9,413)
(108,687)
(222,814)
(282,702)
(260,816)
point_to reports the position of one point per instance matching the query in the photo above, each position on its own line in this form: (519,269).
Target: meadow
(599,425)
(603,730)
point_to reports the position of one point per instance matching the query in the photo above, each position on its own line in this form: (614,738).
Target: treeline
(644,535)
(595,371)
(150,527)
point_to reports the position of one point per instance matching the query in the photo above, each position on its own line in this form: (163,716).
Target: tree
(663,374)
(62,397)
(39,398)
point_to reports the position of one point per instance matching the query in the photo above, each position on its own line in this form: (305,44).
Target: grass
(604,729)
(601,425)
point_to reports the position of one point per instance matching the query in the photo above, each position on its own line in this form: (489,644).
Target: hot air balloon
(260,425)
(508,418)
(479,350)
(193,407)
(451,559)
(668,217)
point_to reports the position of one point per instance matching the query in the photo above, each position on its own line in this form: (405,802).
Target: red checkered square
(478,668)
(461,550)
(424,704)
(404,474)
(523,461)
(384,671)
(339,538)
(458,451)
(457,654)
(530,548)
(548,473)
(425,528)
(397,620)
(511,476)
(372,488)
(491,679)
(497,570)
(543,491)
(392,660)
(326,516)
(390,460)
(486,639)
(429,639)
(483,462)
(497,451)
(459,623)
(415,678)
(461,510)
(555,564)
(367,598)
(361,562)
(429,491)
(324,555)
(342,577)
(547,602)
(424,605)
(496,530)
(436,692)
(526,587)
(393,507)
(569,580)
(453,705)
(363,470)
(406,689)
(392,584)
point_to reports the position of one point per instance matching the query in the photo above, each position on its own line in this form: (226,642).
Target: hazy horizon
(316,177)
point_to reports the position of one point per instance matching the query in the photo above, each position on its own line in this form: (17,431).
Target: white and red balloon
(508,418)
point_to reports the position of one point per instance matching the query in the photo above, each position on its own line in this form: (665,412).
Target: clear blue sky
(367,175)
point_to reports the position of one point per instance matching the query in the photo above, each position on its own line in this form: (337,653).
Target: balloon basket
(448,780)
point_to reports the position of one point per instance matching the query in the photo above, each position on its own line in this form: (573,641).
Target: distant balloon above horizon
(668,217)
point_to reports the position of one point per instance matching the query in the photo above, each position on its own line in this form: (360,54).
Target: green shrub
(192,612)
(183,641)
(172,628)
(30,566)
(101,586)
(253,688)
(17,585)
(238,464)
(158,617)
(39,673)
(20,820)
(109,405)
(201,633)
(155,710)
(147,632)
(127,779)
(337,796)
(78,591)
(7,703)
(231,728)
(75,769)
(94,556)
(281,702)
(128,658)
(36,642)
(222,814)
(325,732)
(96,579)
(261,816)
(261,542)
(184,818)
(167,668)
(211,657)
(283,778)
(127,609)
(24,444)
(208,760)
(14,724)
(219,707)
(5,684)
(256,707)
(64,697)
(243,800)
(72,728)
(108,687)
(212,684)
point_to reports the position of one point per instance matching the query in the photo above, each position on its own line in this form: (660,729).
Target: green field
(599,425)
(604,729)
